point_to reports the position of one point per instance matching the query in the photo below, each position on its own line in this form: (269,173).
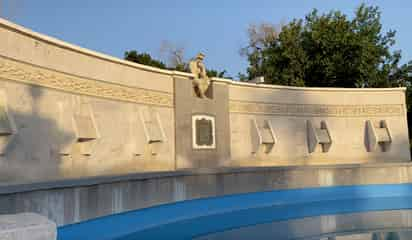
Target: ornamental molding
(316,110)
(31,74)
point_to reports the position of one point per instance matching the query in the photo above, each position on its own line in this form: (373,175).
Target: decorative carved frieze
(313,110)
(31,74)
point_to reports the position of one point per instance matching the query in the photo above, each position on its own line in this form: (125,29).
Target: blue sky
(215,27)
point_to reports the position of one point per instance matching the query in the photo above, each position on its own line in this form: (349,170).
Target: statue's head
(200,56)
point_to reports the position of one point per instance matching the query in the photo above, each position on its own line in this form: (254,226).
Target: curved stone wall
(68,112)
(345,114)
(70,201)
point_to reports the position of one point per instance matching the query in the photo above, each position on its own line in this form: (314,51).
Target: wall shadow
(33,150)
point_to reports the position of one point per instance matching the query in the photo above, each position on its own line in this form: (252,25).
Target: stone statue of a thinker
(201,81)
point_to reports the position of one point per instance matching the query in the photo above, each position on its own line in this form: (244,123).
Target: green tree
(215,73)
(331,50)
(143,58)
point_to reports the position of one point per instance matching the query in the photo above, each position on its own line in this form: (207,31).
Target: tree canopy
(329,50)
(143,58)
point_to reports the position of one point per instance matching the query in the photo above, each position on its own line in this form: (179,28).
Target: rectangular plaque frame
(210,139)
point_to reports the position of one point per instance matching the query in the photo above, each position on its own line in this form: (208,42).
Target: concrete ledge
(26,226)
(216,215)
(18,187)
(73,201)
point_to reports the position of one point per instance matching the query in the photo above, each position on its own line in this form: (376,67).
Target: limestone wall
(71,112)
(349,117)
(68,112)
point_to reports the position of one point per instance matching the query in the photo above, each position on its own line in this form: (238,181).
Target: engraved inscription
(204,130)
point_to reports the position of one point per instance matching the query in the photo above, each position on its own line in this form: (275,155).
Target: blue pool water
(206,217)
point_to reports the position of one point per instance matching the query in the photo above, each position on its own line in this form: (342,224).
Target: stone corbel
(8,127)
(138,135)
(65,123)
(263,137)
(153,132)
(318,136)
(378,135)
(85,128)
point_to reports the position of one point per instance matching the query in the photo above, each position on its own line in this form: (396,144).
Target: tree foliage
(143,58)
(215,73)
(330,50)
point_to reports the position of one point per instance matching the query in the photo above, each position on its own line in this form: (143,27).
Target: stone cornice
(56,42)
(306,89)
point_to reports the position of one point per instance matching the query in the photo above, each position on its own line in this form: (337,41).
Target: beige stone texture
(69,112)
(344,111)
(75,200)
(30,47)
(189,105)
(77,113)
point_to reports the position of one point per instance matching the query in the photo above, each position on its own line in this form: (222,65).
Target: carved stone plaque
(203,128)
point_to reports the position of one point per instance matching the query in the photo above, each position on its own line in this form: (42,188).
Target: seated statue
(201,81)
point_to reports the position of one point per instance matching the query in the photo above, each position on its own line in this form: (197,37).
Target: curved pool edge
(208,215)
(366,224)
(74,201)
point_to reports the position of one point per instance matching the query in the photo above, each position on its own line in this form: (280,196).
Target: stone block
(377,134)
(27,226)
(199,186)
(318,136)
(263,136)
(7,125)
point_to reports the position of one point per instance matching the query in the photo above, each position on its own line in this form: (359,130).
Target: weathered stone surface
(27,226)
(188,105)
(346,113)
(68,112)
(73,201)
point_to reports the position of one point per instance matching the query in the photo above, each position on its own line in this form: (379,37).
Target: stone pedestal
(27,226)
